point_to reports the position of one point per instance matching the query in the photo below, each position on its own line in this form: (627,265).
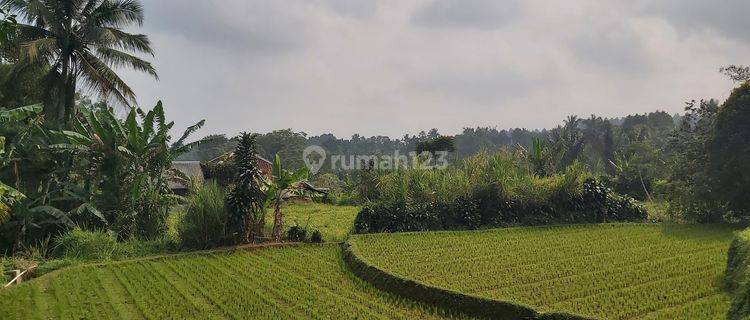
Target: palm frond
(102,79)
(43,47)
(113,38)
(190,130)
(35,11)
(120,59)
(116,13)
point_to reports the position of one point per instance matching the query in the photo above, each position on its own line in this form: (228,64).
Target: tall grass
(502,172)
(204,225)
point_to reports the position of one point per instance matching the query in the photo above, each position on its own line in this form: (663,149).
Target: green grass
(617,271)
(303,282)
(334,222)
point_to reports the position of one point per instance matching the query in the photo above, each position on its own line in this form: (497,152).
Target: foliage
(8,26)
(26,165)
(287,144)
(272,283)
(690,187)
(247,200)
(316,237)
(101,44)
(606,271)
(20,85)
(637,168)
(214,146)
(539,158)
(8,195)
(205,223)
(488,191)
(124,166)
(736,278)
(281,187)
(87,245)
(297,234)
(729,155)
(441,143)
(82,245)
(736,73)
(709,177)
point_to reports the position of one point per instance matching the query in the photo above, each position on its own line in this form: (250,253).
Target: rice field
(614,271)
(333,222)
(301,282)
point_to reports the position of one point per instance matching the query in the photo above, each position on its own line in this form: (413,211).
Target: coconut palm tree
(80,41)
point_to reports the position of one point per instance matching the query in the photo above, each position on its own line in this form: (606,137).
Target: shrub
(488,207)
(79,244)
(205,222)
(296,234)
(736,276)
(316,237)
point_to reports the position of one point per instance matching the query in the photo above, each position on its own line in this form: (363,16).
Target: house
(189,172)
(265,166)
(305,189)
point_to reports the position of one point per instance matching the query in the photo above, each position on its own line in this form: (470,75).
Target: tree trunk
(277,219)
(70,100)
(648,195)
(249,228)
(259,224)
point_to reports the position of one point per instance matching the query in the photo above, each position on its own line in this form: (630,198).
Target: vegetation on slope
(606,271)
(303,282)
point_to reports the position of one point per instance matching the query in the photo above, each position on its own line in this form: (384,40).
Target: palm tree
(80,41)
(280,188)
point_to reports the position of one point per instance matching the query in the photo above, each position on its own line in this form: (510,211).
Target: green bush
(297,234)
(79,244)
(556,199)
(736,276)
(316,237)
(205,222)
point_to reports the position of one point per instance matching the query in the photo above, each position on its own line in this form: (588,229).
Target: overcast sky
(392,67)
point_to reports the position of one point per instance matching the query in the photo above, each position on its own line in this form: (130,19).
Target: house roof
(192,169)
(230,156)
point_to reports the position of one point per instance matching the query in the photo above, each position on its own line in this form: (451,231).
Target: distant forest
(594,140)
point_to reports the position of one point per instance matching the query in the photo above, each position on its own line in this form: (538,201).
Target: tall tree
(80,41)
(729,152)
(247,201)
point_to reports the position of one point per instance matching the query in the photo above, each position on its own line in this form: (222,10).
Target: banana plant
(9,196)
(539,157)
(126,165)
(281,186)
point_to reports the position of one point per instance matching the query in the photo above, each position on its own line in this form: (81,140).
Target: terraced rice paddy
(306,282)
(334,222)
(605,271)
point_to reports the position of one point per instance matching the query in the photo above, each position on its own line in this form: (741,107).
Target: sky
(392,67)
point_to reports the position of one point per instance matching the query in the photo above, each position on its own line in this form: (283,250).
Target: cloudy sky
(390,67)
